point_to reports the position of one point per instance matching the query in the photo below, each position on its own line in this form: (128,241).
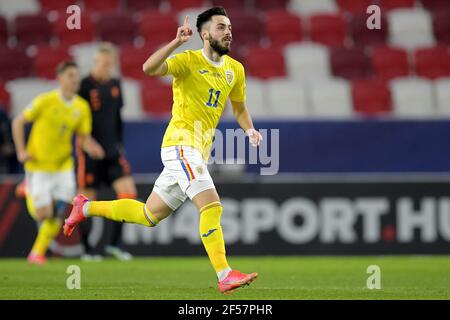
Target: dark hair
(206,16)
(63,66)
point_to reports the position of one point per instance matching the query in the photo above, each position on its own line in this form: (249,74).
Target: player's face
(220,36)
(70,79)
(104,64)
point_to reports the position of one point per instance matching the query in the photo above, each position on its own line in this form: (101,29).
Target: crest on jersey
(230,76)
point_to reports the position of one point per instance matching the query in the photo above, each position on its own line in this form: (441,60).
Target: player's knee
(43,213)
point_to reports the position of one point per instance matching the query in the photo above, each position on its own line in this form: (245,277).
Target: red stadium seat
(178,5)
(32,29)
(389,63)
(156,98)
(132,59)
(351,64)
(3,31)
(436,5)
(265,63)
(433,62)
(139,5)
(5,98)
(328,29)
(441,27)
(59,5)
(270,4)
(355,6)
(231,4)
(395,4)
(47,59)
(157,28)
(247,28)
(283,27)
(118,28)
(14,63)
(362,36)
(102,5)
(371,97)
(69,37)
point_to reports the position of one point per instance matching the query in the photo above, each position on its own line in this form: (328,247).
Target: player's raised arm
(244,119)
(155,64)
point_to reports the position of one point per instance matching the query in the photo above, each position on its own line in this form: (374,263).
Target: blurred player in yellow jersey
(56,116)
(203,81)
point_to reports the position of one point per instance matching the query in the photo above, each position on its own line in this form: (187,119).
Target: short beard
(215,44)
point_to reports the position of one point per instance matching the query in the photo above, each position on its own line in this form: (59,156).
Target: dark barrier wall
(325,146)
(275,219)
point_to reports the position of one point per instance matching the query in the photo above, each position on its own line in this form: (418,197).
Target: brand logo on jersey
(209,233)
(203,71)
(200,169)
(230,76)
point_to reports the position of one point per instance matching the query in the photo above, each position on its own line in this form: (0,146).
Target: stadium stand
(67,36)
(331,98)
(328,29)
(256,62)
(47,59)
(32,29)
(350,63)
(442,91)
(412,97)
(118,28)
(308,43)
(371,97)
(432,63)
(410,28)
(307,61)
(389,62)
(57,5)
(309,7)
(287,95)
(282,27)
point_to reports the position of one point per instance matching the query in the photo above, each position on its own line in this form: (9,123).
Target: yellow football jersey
(54,123)
(201,88)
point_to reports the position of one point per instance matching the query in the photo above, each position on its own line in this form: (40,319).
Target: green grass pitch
(402,277)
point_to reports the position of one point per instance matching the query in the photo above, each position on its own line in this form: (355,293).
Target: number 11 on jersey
(211,94)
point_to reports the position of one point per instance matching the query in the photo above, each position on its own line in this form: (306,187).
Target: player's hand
(254,136)
(184,33)
(23,156)
(95,150)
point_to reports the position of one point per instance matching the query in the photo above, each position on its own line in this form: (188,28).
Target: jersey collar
(215,64)
(66,102)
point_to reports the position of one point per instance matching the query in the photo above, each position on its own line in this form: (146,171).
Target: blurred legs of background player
(117,171)
(48,228)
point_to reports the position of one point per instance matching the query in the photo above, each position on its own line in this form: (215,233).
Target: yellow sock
(123,210)
(212,236)
(48,231)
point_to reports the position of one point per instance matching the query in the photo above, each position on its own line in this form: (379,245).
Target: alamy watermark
(233,147)
(374,280)
(74,279)
(374,20)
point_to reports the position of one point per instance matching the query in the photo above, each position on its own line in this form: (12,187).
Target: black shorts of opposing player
(105,101)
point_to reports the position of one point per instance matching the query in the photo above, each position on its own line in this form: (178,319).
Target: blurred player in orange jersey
(104,94)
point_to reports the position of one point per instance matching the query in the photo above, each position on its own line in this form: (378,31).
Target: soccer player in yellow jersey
(47,157)
(203,81)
